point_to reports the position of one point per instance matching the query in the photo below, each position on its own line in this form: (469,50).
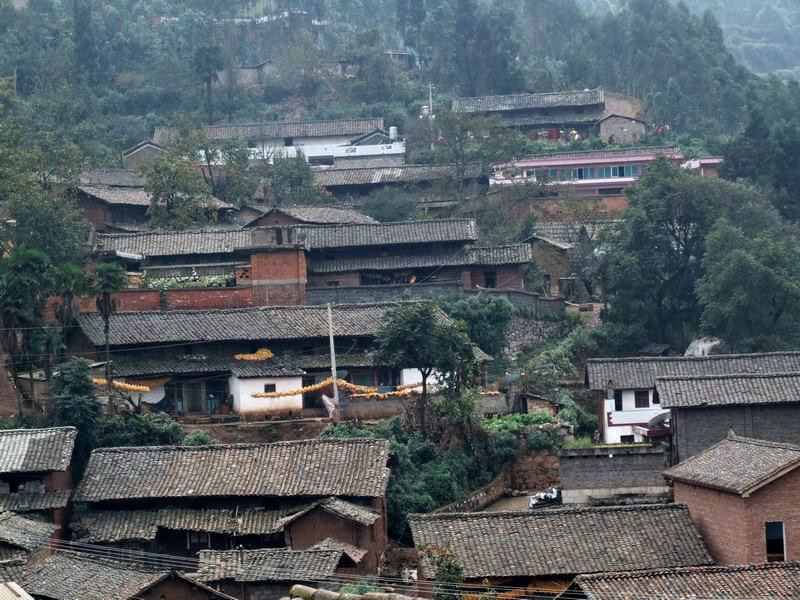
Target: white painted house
(342,143)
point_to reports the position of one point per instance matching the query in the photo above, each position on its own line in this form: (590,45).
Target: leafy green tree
(488,318)
(377,78)
(74,402)
(416,336)
(198,437)
(750,291)
(654,257)
(291,181)
(24,287)
(70,282)
(138,430)
(109,278)
(180,197)
(225,166)
(83,39)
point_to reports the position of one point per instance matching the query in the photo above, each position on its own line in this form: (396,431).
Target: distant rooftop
(510,102)
(164,136)
(722,390)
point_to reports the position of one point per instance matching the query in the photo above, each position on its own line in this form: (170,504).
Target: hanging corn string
(121,385)
(260,354)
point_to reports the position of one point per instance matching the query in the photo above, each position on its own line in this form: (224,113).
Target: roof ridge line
(209,447)
(749,375)
(689,358)
(688,570)
(556,511)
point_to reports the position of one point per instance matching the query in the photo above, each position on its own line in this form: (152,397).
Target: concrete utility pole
(333,363)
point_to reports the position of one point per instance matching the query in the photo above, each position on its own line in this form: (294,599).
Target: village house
(266,573)
(200,362)
(346,183)
(35,478)
(551,115)
(546,549)
(74,574)
(742,495)
(136,155)
(117,200)
(705,165)
(704,408)
(777,580)
(341,144)
(309,264)
(282,495)
(264,215)
(601,175)
(627,398)
(24,540)
(553,244)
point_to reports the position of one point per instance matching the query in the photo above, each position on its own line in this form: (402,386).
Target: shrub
(199,437)
(503,446)
(583,423)
(517,422)
(543,439)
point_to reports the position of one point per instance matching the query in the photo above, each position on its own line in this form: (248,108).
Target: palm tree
(109,278)
(69,283)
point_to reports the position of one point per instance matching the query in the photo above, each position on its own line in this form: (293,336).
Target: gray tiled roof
(398,174)
(274,367)
(720,390)
(411,232)
(268,564)
(672,151)
(112,177)
(500,255)
(641,371)
(354,553)
(264,323)
(110,526)
(567,233)
(361,515)
(174,243)
(30,502)
(36,450)
(74,575)
(772,580)
(736,464)
(528,101)
(224,240)
(565,541)
(320,214)
(164,136)
(320,467)
(134,196)
(23,532)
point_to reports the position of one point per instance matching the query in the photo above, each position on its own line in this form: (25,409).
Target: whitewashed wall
(244,403)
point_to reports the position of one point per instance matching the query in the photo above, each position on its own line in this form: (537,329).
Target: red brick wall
(176,589)
(178,299)
(722,521)
(95,212)
(316,525)
(552,261)
(507,277)
(279,277)
(777,501)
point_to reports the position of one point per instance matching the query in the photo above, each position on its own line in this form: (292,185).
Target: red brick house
(281,495)
(35,477)
(117,199)
(743,495)
(314,264)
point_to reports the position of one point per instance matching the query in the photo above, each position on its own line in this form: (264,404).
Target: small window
(776,543)
(656,399)
(333,284)
(288,141)
(490,279)
(269,388)
(641,399)
(627,439)
(279,237)
(618,400)
(321,161)
(252,144)
(364,378)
